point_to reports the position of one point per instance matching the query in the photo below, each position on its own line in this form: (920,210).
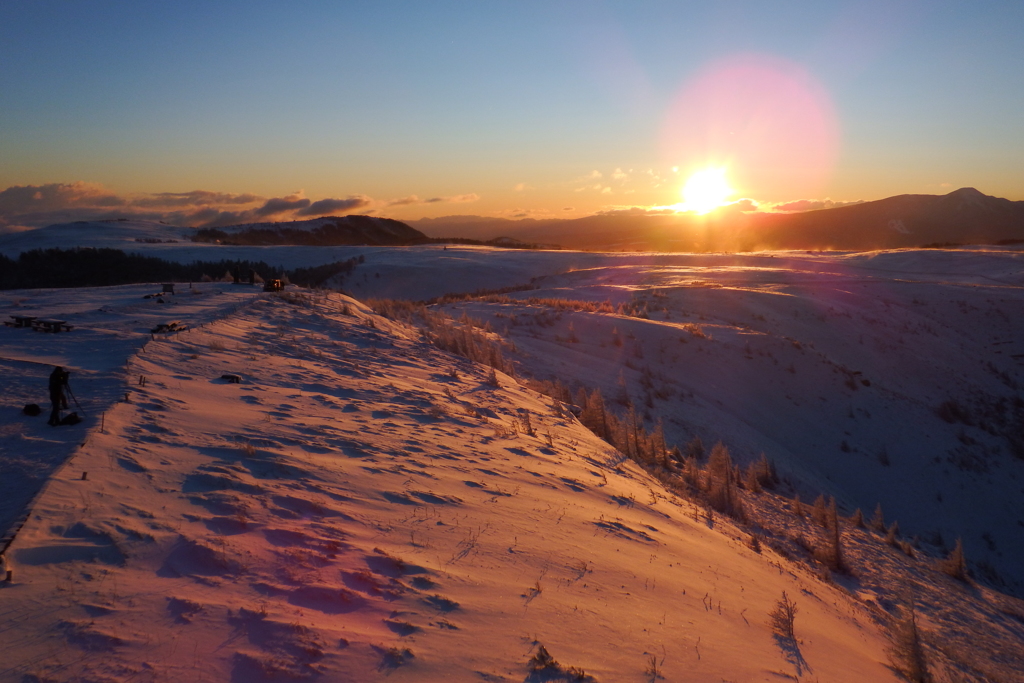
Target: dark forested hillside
(321,232)
(46,268)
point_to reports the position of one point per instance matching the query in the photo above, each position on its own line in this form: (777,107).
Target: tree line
(103,267)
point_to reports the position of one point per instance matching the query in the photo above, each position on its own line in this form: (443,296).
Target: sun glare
(706,190)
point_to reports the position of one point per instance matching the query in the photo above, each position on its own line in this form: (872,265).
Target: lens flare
(763,117)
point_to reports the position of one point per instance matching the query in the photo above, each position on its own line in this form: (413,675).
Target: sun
(706,190)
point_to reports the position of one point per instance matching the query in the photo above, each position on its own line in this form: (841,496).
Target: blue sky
(554,108)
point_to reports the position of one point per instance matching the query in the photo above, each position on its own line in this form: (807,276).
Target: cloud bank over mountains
(23,207)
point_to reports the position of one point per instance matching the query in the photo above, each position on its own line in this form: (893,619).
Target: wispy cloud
(22,199)
(463,198)
(165,200)
(279,205)
(807,205)
(745,205)
(328,207)
(413,199)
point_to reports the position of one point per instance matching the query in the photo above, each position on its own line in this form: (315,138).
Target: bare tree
(781,618)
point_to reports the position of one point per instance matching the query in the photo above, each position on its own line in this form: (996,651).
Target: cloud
(25,207)
(405,201)
(745,204)
(31,206)
(329,207)
(519,187)
(620,175)
(637,211)
(20,199)
(193,198)
(606,190)
(808,205)
(520,212)
(413,199)
(568,208)
(277,205)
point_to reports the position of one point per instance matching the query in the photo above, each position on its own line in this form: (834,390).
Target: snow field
(355,510)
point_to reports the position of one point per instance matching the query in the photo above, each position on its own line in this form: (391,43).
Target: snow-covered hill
(892,378)
(362,506)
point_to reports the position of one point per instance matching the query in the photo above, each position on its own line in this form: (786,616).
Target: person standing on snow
(58,400)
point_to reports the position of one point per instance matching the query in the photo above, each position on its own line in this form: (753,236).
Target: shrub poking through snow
(543,661)
(544,667)
(755,543)
(393,657)
(950,411)
(782,617)
(465,337)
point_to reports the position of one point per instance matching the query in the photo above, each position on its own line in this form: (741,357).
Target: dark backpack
(32,409)
(70,419)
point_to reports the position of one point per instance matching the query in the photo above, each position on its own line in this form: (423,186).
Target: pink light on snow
(765,119)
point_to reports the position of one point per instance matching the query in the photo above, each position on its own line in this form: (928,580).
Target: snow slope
(837,367)
(110,325)
(365,507)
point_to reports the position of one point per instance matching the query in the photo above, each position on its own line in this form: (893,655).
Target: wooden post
(85,476)
(10,575)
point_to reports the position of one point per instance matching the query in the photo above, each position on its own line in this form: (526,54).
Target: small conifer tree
(837,561)
(622,395)
(907,651)
(956,564)
(857,519)
(819,512)
(752,481)
(878,519)
(798,507)
(892,533)
(695,449)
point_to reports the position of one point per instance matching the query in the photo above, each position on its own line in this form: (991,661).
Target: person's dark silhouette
(58,399)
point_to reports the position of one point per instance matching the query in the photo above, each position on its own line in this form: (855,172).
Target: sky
(209,113)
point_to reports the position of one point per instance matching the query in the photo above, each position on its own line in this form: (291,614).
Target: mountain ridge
(963,216)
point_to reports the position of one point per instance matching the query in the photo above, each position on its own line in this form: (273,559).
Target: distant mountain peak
(967,192)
